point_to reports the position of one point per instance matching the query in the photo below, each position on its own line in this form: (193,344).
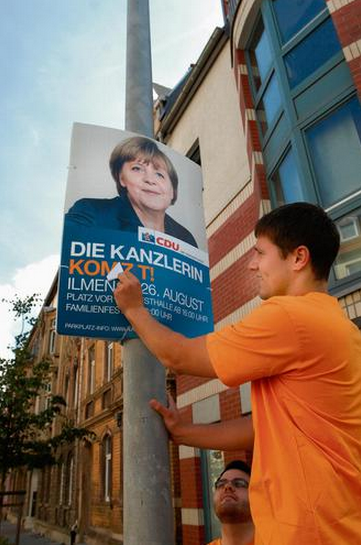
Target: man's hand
(170,415)
(172,349)
(227,435)
(128,293)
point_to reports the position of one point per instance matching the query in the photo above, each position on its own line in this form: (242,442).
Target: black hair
(237,464)
(303,224)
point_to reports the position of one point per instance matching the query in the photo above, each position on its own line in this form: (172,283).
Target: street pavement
(8,530)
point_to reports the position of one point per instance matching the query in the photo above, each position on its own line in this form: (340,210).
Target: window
(34,350)
(334,144)
(46,483)
(349,228)
(348,262)
(265,82)
(91,370)
(309,55)
(309,118)
(269,105)
(52,337)
(33,502)
(261,57)
(194,153)
(285,182)
(69,479)
(107,464)
(108,361)
(293,16)
(47,395)
(89,409)
(106,399)
(212,463)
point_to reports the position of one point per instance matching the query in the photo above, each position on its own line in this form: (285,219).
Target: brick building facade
(85,486)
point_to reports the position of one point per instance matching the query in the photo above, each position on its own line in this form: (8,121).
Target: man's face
(273,271)
(148,184)
(230,501)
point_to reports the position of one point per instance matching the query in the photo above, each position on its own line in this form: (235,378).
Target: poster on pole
(132,204)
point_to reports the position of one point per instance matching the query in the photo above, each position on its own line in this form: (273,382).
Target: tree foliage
(25,432)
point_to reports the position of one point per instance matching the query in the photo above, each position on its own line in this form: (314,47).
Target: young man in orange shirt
(303,357)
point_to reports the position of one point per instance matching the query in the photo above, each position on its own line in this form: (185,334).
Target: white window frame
(91,370)
(354,222)
(52,337)
(107,467)
(75,386)
(109,353)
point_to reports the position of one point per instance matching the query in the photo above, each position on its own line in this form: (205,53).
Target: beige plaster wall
(213,117)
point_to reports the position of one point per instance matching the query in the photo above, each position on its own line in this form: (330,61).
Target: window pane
(212,464)
(349,258)
(293,16)
(286,182)
(335,150)
(312,53)
(270,105)
(260,56)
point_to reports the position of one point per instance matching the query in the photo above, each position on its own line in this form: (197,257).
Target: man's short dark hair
(303,224)
(237,464)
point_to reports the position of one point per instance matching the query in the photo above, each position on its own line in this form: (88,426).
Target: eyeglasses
(236,483)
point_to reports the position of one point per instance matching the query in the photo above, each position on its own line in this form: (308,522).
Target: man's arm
(173,350)
(227,435)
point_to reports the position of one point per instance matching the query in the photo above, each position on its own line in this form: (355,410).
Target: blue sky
(63,61)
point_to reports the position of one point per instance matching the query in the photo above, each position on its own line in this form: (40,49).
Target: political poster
(132,204)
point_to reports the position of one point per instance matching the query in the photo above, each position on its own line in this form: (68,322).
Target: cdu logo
(146,236)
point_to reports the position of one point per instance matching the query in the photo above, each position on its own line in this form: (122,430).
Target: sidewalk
(26,538)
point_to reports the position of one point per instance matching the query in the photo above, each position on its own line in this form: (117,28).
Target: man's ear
(301,257)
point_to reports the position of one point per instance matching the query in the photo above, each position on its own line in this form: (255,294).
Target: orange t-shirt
(219,542)
(303,357)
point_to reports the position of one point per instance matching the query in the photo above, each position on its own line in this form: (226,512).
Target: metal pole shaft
(148,513)
(139,94)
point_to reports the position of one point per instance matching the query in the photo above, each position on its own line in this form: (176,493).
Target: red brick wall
(228,294)
(190,483)
(193,535)
(230,403)
(347,20)
(239,225)
(186,383)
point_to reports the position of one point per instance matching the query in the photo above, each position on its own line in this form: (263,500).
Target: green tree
(25,433)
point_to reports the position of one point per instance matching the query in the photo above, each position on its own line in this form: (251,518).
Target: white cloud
(34,278)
